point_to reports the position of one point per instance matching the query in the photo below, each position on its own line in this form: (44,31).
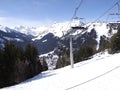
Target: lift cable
(105,12)
(76,9)
(74,14)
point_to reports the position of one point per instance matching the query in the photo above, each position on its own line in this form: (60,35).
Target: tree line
(111,44)
(84,53)
(18,64)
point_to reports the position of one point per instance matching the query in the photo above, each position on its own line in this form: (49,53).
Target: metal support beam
(71,53)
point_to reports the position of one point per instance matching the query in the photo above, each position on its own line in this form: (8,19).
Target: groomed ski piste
(102,72)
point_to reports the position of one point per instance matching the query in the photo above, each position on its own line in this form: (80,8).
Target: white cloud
(10,21)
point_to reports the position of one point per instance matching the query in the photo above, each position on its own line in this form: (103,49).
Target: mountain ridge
(51,35)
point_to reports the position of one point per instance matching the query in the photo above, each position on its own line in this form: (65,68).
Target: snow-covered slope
(2,28)
(57,29)
(100,73)
(24,29)
(6,29)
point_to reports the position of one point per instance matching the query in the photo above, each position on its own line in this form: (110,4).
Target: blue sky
(40,12)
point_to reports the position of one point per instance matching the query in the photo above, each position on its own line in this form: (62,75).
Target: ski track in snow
(118,67)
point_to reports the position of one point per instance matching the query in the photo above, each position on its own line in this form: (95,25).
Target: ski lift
(114,22)
(79,27)
(115,16)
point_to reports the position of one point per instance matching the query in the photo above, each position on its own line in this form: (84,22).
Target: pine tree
(1,68)
(20,53)
(10,57)
(64,59)
(83,53)
(31,55)
(44,65)
(115,42)
(104,44)
(17,65)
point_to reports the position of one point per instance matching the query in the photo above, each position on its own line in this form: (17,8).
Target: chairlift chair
(78,27)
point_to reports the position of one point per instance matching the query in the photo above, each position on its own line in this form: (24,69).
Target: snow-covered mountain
(56,28)
(47,38)
(99,73)
(24,29)
(7,34)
